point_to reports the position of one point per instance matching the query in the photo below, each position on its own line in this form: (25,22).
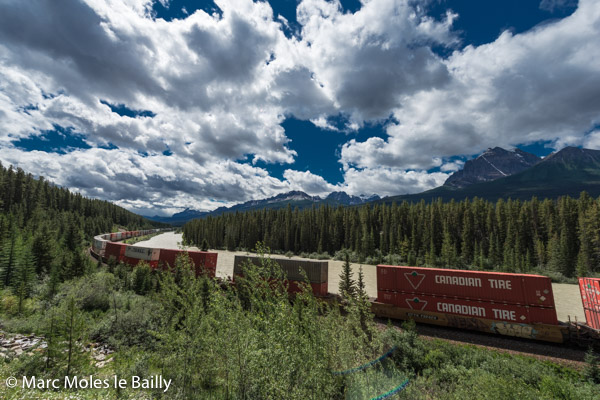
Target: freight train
(518,305)
(107,246)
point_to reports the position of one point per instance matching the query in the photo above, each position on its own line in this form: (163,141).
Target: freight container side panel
(142,253)
(211,260)
(386,297)
(538,291)
(590,291)
(115,250)
(99,244)
(478,309)
(386,278)
(240,261)
(316,271)
(168,256)
(549,333)
(198,258)
(592,318)
(477,285)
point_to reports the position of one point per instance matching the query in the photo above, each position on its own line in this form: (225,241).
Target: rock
(102,364)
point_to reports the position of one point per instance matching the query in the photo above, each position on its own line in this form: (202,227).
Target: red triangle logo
(416,304)
(414,278)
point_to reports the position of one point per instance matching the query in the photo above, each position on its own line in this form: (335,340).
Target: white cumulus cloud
(219,87)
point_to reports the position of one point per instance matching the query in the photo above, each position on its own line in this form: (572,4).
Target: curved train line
(107,246)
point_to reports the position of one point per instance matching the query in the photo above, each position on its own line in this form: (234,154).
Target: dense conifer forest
(550,236)
(43,228)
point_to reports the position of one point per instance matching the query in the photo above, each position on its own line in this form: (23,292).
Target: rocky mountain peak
(492,164)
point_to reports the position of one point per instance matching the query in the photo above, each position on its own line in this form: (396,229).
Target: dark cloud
(67,39)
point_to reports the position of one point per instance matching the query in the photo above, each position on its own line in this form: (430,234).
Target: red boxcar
(115,250)
(531,290)
(478,309)
(208,261)
(590,297)
(590,291)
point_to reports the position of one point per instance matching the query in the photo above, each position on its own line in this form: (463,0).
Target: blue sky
(164,105)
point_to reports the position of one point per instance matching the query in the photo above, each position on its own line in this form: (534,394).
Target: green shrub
(131,325)
(10,303)
(141,279)
(592,367)
(92,292)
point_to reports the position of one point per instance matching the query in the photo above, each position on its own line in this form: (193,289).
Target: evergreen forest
(43,229)
(560,237)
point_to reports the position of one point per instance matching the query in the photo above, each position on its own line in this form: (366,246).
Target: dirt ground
(567,297)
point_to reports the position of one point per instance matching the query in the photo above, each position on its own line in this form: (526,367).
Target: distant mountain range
(566,172)
(179,218)
(294,198)
(495,174)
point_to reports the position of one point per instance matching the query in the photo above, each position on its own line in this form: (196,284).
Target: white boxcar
(99,244)
(142,253)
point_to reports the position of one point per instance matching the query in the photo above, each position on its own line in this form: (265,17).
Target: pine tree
(43,250)
(361,287)
(592,367)
(75,265)
(9,257)
(555,254)
(52,348)
(72,335)
(72,238)
(24,276)
(467,252)
(448,250)
(141,280)
(347,285)
(204,246)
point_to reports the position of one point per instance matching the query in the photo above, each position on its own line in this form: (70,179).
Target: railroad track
(564,354)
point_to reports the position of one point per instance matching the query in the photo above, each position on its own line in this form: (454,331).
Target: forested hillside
(553,236)
(43,228)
